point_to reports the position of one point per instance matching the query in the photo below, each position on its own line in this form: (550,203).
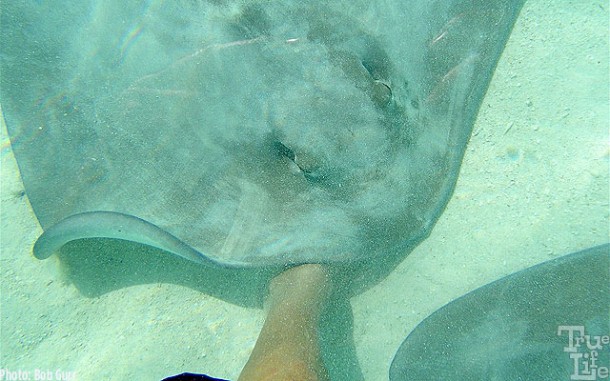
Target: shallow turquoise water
(536,190)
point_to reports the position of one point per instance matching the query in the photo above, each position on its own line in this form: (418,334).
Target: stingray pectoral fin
(102,224)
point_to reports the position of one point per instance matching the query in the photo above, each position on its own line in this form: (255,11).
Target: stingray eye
(313,175)
(284,151)
(381,93)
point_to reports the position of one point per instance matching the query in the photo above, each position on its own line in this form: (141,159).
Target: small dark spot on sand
(19,194)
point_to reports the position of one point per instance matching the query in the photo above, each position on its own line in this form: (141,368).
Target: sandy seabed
(534,186)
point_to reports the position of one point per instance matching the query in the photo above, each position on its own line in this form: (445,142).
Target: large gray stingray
(530,325)
(251,133)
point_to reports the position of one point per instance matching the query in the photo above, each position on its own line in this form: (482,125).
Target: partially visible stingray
(530,325)
(246,134)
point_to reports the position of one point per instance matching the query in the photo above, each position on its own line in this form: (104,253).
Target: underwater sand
(534,185)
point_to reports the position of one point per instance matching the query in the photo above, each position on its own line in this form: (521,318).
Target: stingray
(246,135)
(547,322)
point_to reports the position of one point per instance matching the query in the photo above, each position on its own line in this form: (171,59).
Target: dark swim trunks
(192,377)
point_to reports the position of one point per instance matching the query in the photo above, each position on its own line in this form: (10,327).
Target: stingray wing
(266,135)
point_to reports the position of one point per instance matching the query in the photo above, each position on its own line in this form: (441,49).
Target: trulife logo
(584,351)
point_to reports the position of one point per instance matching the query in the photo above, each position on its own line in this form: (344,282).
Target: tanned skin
(287,348)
